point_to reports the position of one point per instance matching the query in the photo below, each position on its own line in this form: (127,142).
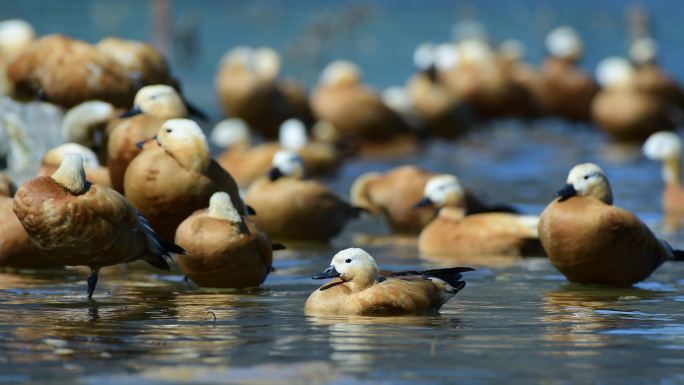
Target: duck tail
(451,275)
(159,262)
(170,247)
(675,255)
(502,208)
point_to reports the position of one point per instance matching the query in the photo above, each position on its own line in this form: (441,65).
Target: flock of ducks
(135,179)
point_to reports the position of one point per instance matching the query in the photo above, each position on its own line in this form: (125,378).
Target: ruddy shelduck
(174,176)
(359,288)
(666,147)
(454,233)
(288,207)
(95,173)
(591,241)
(223,249)
(74,222)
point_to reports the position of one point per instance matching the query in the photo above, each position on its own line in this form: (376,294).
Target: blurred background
(379,35)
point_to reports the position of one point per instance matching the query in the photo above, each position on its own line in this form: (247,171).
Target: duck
(67,72)
(358,287)
(74,223)
(248,88)
(354,110)
(590,241)
(153,106)
(96,173)
(288,207)
(15,36)
(144,63)
(565,90)
(622,110)
(174,175)
(666,147)
(223,249)
(16,249)
(86,124)
(453,233)
(650,76)
(444,114)
(249,164)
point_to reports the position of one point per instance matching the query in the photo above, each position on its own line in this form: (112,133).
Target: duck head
(221,207)
(340,73)
(587,180)
(231,133)
(56,155)
(286,163)
(615,72)
(79,121)
(666,147)
(158,100)
(352,265)
(441,191)
(292,135)
(564,43)
(185,141)
(71,174)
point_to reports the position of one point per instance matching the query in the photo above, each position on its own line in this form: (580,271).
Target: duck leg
(92,282)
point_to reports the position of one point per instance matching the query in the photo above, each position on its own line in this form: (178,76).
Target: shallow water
(517,319)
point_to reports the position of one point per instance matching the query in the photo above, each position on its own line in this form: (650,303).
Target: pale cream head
(266,63)
(80,120)
(340,72)
(185,141)
(289,163)
(666,147)
(424,56)
(589,180)
(475,52)
(357,266)
(70,174)
(230,132)
(512,50)
(398,99)
(15,35)
(565,43)
(160,101)
(615,72)
(56,155)
(643,50)
(444,190)
(446,56)
(221,207)
(292,135)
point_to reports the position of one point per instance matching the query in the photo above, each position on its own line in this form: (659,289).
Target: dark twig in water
(213,315)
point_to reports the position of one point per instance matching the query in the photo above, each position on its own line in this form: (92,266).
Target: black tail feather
(275,246)
(677,255)
(170,247)
(502,208)
(159,262)
(451,275)
(357,211)
(250,210)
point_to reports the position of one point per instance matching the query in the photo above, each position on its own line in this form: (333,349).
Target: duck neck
(362,283)
(452,213)
(672,172)
(71,177)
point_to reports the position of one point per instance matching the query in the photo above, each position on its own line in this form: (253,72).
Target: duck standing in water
(591,241)
(666,147)
(76,223)
(359,288)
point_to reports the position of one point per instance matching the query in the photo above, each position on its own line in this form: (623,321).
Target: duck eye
(348,261)
(169,131)
(586,177)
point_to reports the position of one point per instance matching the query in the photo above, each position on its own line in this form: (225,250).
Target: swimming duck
(492,233)
(15,36)
(96,173)
(359,288)
(565,90)
(174,176)
(667,147)
(622,110)
(67,72)
(650,77)
(248,164)
(145,64)
(16,249)
(223,249)
(74,222)
(248,87)
(355,111)
(153,106)
(290,208)
(441,110)
(591,241)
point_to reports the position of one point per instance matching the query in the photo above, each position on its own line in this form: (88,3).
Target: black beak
(330,272)
(42,96)
(135,110)
(195,111)
(274,174)
(425,202)
(250,210)
(431,73)
(141,144)
(566,192)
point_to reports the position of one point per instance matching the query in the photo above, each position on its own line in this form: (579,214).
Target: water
(517,321)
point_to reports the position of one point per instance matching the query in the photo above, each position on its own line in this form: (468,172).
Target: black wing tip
(170,247)
(275,246)
(159,262)
(503,208)
(250,210)
(357,211)
(677,255)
